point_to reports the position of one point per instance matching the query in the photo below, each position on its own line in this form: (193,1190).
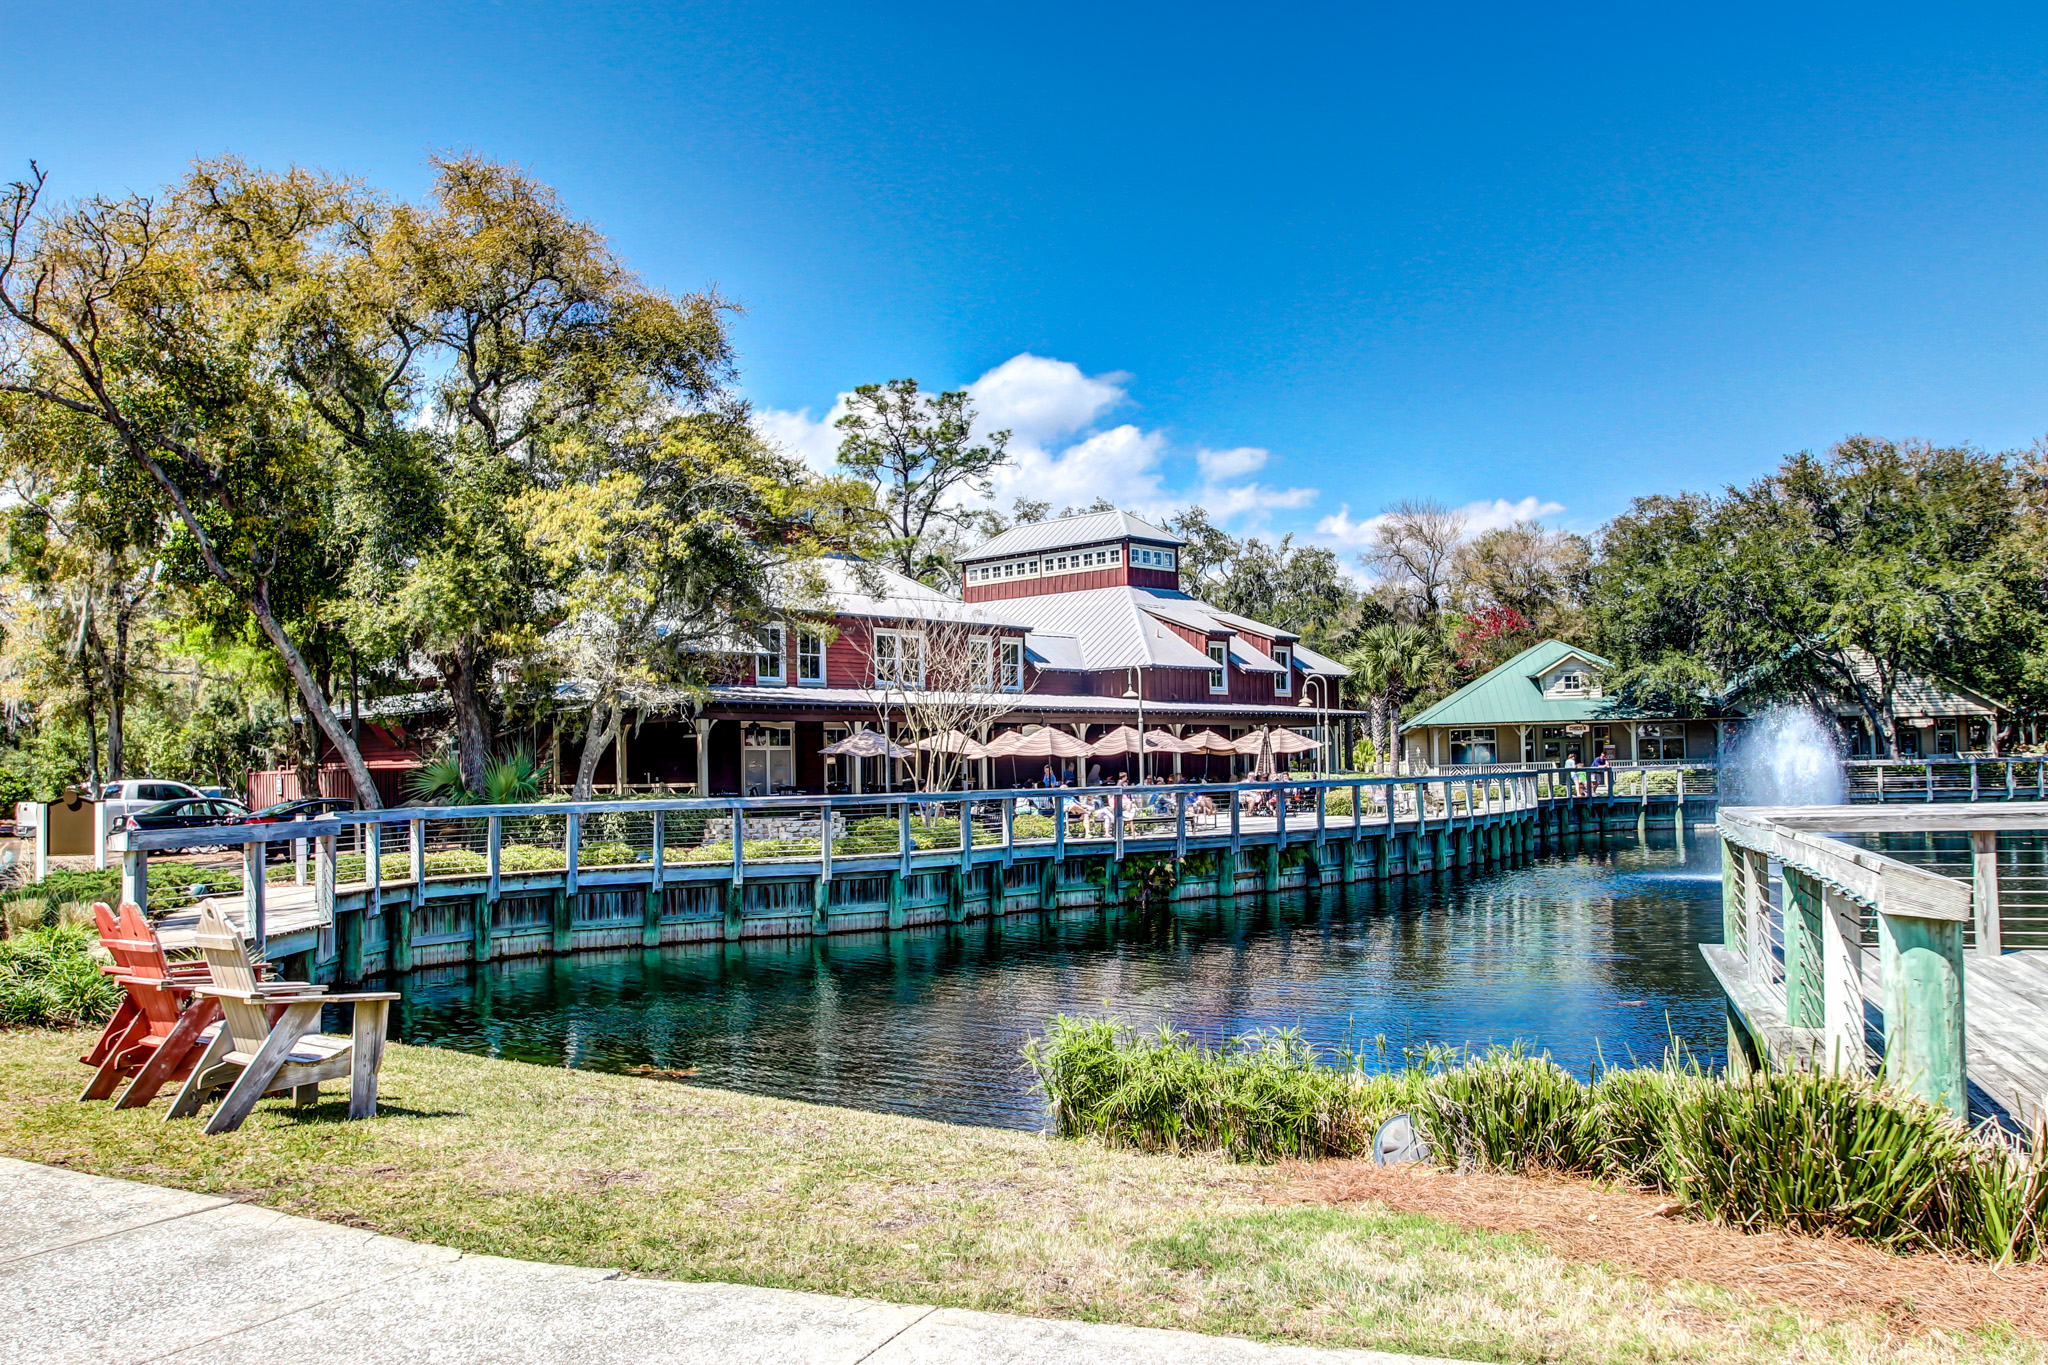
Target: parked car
(188,813)
(132,794)
(306,808)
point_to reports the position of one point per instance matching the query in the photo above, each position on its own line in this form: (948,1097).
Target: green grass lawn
(670,1180)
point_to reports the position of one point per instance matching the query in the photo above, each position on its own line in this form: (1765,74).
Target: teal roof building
(1549,704)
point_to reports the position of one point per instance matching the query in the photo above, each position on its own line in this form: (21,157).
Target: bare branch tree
(942,677)
(1414,550)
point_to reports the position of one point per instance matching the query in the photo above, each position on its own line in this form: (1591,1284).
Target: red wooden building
(1082,620)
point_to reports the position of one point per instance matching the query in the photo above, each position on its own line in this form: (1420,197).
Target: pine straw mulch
(1829,1278)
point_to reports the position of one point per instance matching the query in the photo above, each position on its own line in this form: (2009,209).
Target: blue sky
(1296,263)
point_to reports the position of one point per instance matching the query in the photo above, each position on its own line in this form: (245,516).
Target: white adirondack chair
(255,1057)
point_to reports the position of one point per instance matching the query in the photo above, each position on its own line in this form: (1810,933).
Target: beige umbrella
(1207,742)
(1124,740)
(1044,742)
(1262,745)
(952,742)
(867,744)
(1275,740)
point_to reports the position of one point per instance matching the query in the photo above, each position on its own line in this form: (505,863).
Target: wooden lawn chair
(261,1049)
(156,1030)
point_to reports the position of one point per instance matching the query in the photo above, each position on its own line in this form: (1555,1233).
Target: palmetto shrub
(1799,1149)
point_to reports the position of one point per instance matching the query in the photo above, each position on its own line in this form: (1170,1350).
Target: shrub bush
(1800,1149)
(50,977)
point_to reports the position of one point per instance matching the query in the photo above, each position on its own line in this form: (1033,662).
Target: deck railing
(759,836)
(1796,965)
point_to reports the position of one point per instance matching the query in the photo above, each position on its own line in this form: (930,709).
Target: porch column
(1635,748)
(704,725)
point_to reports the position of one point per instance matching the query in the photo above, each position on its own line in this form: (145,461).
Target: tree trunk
(315,703)
(464,673)
(604,728)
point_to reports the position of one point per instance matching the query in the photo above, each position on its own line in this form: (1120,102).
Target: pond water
(1586,955)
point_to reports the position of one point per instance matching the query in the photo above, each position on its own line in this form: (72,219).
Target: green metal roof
(1512,695)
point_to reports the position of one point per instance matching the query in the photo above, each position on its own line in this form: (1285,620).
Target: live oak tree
(1835,577)
(664,547)
(919,452)
(452,349)
(119,311)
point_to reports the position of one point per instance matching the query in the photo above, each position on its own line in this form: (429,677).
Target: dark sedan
(307,808)
(188,813)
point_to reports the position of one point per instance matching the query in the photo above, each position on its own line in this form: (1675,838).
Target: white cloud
(1480,517)
(1039,400)
(1230,464)
(1052,410)
(816,443)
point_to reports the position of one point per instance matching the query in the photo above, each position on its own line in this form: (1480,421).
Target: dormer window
(1283,681)
(1574,681)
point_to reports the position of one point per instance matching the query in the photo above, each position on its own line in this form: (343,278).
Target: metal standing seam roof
(903,598)
(1509,695)
(1060,653)
(1112,627)
(1087,529)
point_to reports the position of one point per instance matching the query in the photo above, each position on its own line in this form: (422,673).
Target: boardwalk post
(494,842)
(736,881)
(1984,884)
(254,856)
(323,879)
(1180,830)
(1841,951)
(1923,1007)
(1009,831)
(135,878)
(572,850)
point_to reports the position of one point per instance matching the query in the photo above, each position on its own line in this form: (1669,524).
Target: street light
(1136,695)
(1322,728)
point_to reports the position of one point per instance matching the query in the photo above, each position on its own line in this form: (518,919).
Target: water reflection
(1595,951)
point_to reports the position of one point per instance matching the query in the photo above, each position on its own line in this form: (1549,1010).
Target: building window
(1571,680)
(1283,681)
(768,662)
(899,658)
(1472,746)
(981,663)
(1219,680)
(1013,665)
(1660,743)
(810,659)
(1116,555)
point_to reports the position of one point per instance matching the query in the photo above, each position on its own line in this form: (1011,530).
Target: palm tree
(1389,665)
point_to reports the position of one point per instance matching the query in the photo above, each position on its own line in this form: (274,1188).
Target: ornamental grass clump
(1258,1097)
(50,977)
(1806,1150)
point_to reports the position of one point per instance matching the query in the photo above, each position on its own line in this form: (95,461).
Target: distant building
(1546,705)
(1549,704)
(1069,615)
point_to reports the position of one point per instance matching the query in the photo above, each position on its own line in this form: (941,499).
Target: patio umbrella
(952,742)
(867,744)
(1044,742)
(1262,741)
(1124,740)
(1275,740)
(1207,742)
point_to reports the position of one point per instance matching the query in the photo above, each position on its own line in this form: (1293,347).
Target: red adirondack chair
(157,1030)
(160,1027)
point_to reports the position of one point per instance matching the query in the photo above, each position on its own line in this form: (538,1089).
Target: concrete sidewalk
(111,1271)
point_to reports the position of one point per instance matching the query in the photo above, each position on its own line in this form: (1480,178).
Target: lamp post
(1322,728)
(1137,694)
